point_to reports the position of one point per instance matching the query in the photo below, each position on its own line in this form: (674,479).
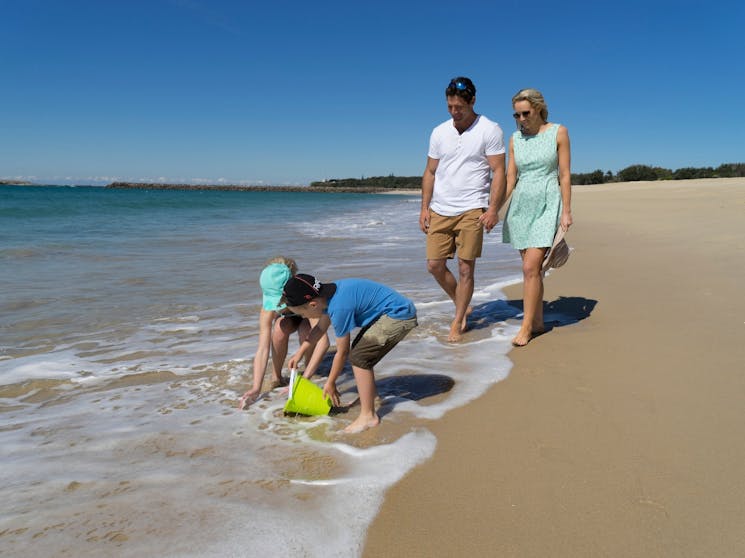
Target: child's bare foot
(281,382)
(362,423)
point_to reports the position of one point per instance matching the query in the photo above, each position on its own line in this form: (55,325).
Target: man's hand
(489,219)
(424,220)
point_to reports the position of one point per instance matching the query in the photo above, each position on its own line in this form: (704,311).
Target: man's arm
(496,192)
(428,187)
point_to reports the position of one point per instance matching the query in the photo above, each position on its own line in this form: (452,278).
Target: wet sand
(620,431)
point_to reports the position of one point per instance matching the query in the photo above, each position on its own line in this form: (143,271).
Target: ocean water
(128,322)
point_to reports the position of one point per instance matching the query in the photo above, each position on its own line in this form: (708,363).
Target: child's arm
(315,335)
(266,319)
(319,351)
(340,359)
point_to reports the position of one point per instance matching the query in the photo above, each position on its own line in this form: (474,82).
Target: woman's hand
(566,220)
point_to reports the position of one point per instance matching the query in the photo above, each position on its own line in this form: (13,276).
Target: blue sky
(291,92)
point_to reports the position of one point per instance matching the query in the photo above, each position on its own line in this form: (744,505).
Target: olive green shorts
(377,339)
(463,233)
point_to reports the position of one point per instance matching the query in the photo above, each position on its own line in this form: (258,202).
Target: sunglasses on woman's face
(524,114)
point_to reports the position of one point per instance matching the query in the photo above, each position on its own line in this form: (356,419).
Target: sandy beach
(620,431)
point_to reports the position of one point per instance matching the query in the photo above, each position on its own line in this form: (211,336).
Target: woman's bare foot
(362,423)
(522,338)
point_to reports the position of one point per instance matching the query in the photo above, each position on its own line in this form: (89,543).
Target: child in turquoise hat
(276,325)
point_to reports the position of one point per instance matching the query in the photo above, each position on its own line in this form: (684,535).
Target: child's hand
(248,398)
(294,360)
(329,390)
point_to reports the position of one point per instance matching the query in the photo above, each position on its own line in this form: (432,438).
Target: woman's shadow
(565,310)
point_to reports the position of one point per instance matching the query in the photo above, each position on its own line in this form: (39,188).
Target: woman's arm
(565,176)
(511,176)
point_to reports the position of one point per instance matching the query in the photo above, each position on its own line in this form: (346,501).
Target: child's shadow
(560,312)
(398,389)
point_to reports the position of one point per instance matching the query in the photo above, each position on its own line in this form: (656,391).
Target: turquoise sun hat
(272,281)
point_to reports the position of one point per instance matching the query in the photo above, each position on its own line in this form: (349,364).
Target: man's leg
(443,276)
(463,295)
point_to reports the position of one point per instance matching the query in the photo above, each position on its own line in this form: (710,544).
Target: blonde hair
(536,100)
(289,262)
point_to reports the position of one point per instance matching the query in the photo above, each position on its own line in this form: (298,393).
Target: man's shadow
(565,310)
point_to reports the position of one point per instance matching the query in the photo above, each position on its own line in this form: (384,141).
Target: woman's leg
(532,295)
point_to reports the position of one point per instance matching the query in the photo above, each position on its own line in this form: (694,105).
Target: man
(461,187)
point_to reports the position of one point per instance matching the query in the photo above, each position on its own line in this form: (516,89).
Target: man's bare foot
(362,423)
(457,329)
(464,323)
(456,332)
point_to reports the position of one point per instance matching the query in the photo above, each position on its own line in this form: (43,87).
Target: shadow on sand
(565,310)
(395,389)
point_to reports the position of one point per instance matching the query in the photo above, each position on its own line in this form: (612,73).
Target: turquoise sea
(128,322)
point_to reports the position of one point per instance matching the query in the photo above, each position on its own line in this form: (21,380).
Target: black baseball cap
(303,288)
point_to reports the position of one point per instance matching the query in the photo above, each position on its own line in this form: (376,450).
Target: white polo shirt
(463,174)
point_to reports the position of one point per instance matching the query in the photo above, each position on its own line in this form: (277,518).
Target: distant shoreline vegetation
(378,184)
(635,173)
(16,183)
(369,185)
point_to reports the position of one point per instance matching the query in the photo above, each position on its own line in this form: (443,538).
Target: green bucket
(306,398)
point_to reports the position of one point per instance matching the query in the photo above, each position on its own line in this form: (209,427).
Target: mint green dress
(535,208)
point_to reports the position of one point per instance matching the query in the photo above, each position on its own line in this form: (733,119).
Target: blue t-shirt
(358,302)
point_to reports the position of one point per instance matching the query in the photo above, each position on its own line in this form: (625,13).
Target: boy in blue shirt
(384,315)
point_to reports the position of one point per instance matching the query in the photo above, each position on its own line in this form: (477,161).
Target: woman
(275,327)
(539,180)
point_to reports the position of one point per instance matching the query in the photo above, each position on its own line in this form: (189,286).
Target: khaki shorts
(463,233)
(377,339)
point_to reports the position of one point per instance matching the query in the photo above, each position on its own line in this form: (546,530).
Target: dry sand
(622,434)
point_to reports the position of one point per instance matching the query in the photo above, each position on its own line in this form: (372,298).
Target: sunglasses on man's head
(459,86)
(524,114)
